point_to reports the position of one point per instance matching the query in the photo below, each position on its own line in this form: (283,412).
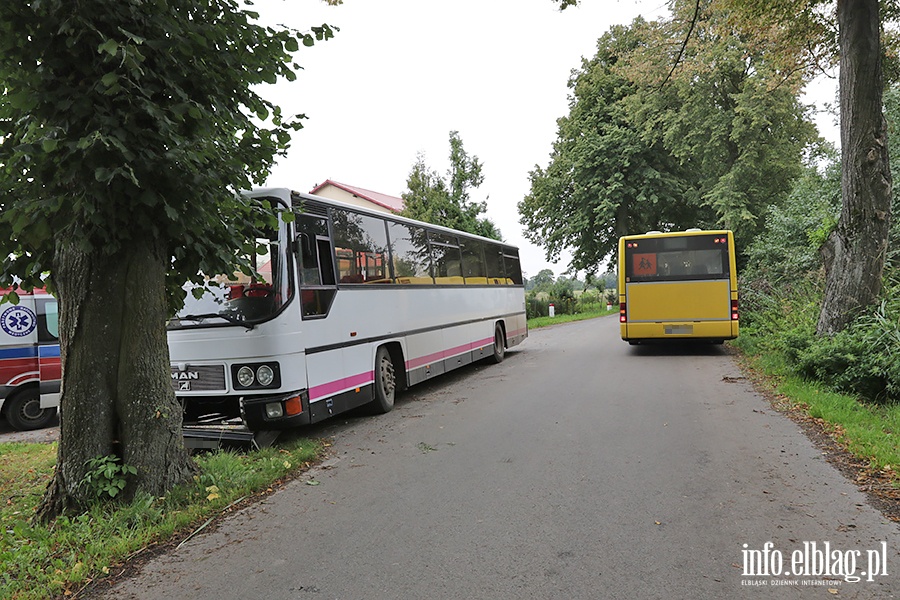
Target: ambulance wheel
(24,412)
(385,382)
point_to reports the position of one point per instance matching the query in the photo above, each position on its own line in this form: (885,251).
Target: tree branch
(683,44)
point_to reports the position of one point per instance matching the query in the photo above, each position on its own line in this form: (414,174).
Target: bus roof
(688,232)
(285,193)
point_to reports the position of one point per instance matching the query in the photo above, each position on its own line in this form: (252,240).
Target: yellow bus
(678,286)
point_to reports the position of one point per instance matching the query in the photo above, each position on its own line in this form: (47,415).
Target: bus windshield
(241,299)
(677,258)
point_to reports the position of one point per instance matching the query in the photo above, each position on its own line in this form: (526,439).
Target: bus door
(318,284)
(318,287)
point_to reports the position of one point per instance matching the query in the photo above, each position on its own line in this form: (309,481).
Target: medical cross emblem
(18,321)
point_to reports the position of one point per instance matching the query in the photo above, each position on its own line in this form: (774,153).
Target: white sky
(401,74)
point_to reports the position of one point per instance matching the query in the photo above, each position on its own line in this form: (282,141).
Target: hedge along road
(580,467)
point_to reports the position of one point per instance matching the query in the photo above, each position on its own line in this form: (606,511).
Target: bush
(537,304)
(864,359)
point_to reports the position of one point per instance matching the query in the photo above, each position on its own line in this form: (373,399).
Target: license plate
(679,329)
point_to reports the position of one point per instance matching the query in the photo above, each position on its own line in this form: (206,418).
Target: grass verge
(863,439)
(39,562)
(537,322)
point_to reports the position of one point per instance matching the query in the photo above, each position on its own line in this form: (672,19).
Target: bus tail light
(622,315)
(734,310)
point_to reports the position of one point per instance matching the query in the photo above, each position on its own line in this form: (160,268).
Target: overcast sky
(401,74)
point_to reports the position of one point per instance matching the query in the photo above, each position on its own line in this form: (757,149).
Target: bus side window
(315,265)
(362,247)
(474,269)
(493,256)
(410,254)
(512,267)
(446,259)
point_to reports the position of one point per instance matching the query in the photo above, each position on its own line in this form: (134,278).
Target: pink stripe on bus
(430,358)
(355,381)
(347,383)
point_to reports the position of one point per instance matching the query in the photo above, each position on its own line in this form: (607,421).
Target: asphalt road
(37,436)
(579,468)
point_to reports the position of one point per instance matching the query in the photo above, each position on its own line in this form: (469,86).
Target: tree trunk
(855,251)
(116,396)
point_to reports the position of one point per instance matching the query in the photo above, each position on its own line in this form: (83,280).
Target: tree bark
(855,251)
(116,397)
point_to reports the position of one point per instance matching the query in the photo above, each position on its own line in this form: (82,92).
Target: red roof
(392,203)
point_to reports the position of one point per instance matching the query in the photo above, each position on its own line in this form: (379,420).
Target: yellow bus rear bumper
(673,330)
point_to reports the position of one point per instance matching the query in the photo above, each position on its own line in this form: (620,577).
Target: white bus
(349,306)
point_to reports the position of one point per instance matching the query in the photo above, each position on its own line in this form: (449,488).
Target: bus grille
(198,378)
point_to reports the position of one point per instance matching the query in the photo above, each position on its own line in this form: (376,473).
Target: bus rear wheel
(385,382)
(24,412)
(499,345)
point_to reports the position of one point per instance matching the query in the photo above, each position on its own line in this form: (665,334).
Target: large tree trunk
(855,252)
(116,398)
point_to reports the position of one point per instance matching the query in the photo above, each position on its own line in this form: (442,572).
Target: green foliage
(583,312)
(795,230)
(712,143)
(864,358)
(604,180)
(434,199)
(565,301)
(129,122)
(106,477)
(781,291)
(540,282)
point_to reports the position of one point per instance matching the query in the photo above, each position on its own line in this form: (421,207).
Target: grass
(870,432)
(38,562)
(588,314)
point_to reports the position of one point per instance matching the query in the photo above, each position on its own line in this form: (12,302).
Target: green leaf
(22,100)
(49,144)
(109,46)
(110,79)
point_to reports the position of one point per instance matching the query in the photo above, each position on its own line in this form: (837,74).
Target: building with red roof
(358,196)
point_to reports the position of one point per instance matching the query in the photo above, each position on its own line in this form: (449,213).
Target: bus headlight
(245,376)
(264,375)
(256,376)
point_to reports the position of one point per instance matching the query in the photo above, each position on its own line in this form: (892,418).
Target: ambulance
(30,370)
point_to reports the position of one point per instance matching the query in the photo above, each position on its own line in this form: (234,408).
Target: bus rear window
(677,258)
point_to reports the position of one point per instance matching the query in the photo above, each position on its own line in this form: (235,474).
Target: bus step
(211,437)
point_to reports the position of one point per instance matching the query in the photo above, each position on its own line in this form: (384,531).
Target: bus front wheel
(385,382)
